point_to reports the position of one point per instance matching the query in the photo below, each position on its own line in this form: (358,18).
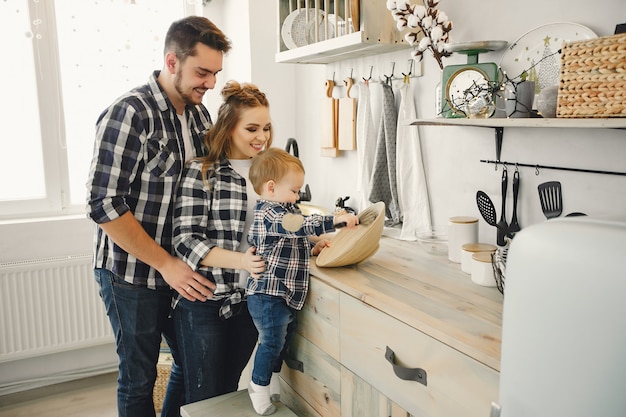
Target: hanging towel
(365,144)
(383,182)
(412,187)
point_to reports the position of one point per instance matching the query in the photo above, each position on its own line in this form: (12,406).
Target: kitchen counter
(404,331)
(428,293)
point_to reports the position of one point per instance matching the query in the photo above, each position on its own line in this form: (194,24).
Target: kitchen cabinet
(424,309)
(335,30)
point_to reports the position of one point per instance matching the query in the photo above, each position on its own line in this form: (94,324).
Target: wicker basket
(593,78)
(163,375)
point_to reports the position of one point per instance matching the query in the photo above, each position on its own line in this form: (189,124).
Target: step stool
(235,404)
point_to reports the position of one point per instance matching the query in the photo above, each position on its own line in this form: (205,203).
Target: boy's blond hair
(272,164)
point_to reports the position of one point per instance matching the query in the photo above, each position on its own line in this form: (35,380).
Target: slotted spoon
(551,199)
(486,208)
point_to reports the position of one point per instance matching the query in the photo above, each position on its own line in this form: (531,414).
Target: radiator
(50,305)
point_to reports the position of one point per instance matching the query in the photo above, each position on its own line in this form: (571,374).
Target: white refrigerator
(564,321)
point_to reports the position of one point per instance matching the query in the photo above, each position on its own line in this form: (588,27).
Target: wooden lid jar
(461,230)
(468,249)
(482,269)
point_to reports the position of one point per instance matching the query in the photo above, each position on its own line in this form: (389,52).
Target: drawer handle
(408,374)
(294,364)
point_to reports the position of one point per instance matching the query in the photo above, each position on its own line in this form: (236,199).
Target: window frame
(57,199)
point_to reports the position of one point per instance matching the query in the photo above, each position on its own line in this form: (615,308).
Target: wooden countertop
(428,293)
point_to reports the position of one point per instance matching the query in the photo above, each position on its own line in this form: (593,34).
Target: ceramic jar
(461,230)
(469,249)
(482,269)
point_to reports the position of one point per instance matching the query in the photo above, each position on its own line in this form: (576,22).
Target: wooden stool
(235,404)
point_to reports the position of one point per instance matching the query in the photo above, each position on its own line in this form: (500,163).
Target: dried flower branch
(432,23)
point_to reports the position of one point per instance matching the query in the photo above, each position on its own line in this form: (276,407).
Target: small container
(482,269)
(468,249)
(461,230)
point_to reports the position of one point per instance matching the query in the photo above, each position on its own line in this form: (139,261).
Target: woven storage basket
(593,78)
(163,375)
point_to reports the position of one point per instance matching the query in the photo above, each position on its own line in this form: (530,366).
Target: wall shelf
(500,123)
(357,28)
(617,123)
(349,46)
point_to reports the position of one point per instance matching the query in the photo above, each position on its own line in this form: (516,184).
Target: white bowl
(433,241)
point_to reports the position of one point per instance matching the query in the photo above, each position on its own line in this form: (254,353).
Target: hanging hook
(537,170)
(410,68)
(516,167)
(393,67)
(366,80)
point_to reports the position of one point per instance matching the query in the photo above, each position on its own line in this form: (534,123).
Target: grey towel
(383,183)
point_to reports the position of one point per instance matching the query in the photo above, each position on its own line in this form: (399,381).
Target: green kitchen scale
(466,88)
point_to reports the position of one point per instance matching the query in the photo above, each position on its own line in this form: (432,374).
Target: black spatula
(551,199)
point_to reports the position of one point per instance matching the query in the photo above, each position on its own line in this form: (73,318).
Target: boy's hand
(321,244)
(347,220)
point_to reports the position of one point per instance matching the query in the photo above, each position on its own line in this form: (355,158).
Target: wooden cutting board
(328,122)
(347,120)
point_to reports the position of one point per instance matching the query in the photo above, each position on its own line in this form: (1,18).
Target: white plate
(543,41)
(294,29)
(322,28)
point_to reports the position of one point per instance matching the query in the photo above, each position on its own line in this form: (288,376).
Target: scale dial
(465,84)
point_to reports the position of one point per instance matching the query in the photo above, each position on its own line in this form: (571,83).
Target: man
(142,142)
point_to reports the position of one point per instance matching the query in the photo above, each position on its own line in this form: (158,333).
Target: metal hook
(370,77)
(393,67)
(410,69)
(516,167)
(536,169)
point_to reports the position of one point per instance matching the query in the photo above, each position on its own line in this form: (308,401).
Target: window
(69,59)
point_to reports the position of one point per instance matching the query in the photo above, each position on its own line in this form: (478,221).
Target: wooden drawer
(313,381)
(317,387)
(318,321)
(455,383)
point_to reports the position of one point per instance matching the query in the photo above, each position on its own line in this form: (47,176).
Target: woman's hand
(252,263)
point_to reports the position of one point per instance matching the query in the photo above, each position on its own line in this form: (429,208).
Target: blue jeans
(276,323)
(139,318)
(213,351)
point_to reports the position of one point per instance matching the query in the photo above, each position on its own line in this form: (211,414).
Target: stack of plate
(299,27)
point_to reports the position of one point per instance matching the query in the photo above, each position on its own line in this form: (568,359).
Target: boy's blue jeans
(139,316)
(276,323)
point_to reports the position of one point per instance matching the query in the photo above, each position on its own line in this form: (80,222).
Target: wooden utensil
(347,119)
(329,117)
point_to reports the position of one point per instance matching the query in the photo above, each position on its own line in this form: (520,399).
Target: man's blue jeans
(213,351)
(139,317)
(276,323)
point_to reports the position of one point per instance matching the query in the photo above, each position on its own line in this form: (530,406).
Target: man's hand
(191,285)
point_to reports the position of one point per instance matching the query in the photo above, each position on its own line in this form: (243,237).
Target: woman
(213,212)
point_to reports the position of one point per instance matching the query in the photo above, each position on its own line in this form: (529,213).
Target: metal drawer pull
(408,374)
(294,364)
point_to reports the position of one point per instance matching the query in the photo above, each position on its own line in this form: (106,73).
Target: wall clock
(466,87)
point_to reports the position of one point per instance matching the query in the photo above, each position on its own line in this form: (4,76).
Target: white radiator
(50,305)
